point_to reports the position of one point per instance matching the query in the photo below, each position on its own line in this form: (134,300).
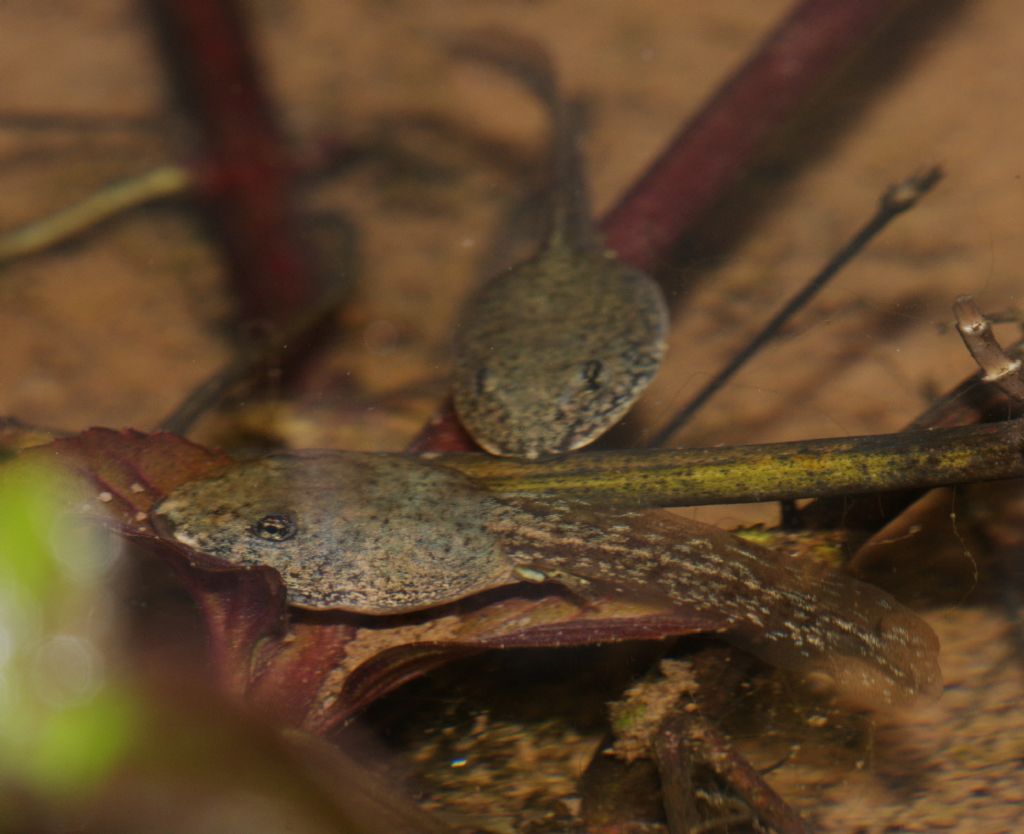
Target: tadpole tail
(806,618)
(526,61)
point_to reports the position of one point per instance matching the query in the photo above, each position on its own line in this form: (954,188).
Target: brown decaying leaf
(131,470)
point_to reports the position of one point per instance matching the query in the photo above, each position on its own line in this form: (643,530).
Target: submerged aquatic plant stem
(764,472)
(248,175)
(100,206)
(714,149)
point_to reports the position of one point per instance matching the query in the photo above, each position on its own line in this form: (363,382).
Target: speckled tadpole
(550,354)
(382,534)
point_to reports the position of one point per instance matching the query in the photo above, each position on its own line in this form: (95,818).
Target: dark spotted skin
(383,534)
(793,615)
(376,534)
(552,353)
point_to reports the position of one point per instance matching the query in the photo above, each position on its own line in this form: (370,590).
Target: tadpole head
(374,534)
(552,355)
(544,408)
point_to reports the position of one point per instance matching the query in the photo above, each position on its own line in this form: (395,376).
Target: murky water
(116,327)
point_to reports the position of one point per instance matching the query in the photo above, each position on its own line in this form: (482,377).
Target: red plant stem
(443,433)
(712,151)
(714,148)
(247,176)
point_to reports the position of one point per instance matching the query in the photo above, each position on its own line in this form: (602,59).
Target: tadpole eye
(592,374)
(276,527)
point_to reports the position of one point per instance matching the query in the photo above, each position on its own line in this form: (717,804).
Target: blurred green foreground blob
(91,744)
(63,722)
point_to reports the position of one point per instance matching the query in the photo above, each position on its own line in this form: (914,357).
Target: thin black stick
(215,387)
(259,353)
(896,200)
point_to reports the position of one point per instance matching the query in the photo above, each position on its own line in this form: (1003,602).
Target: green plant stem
(766,472)
(102,205)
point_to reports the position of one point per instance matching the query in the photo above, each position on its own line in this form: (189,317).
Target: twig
(685,737)
(896,200)
(1004,538)
(208,393)
(259,353)
(766,472)
(976,331)
(966,404)
(157,184)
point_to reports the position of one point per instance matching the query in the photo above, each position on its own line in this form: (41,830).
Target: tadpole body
(387,534)
(552,353)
